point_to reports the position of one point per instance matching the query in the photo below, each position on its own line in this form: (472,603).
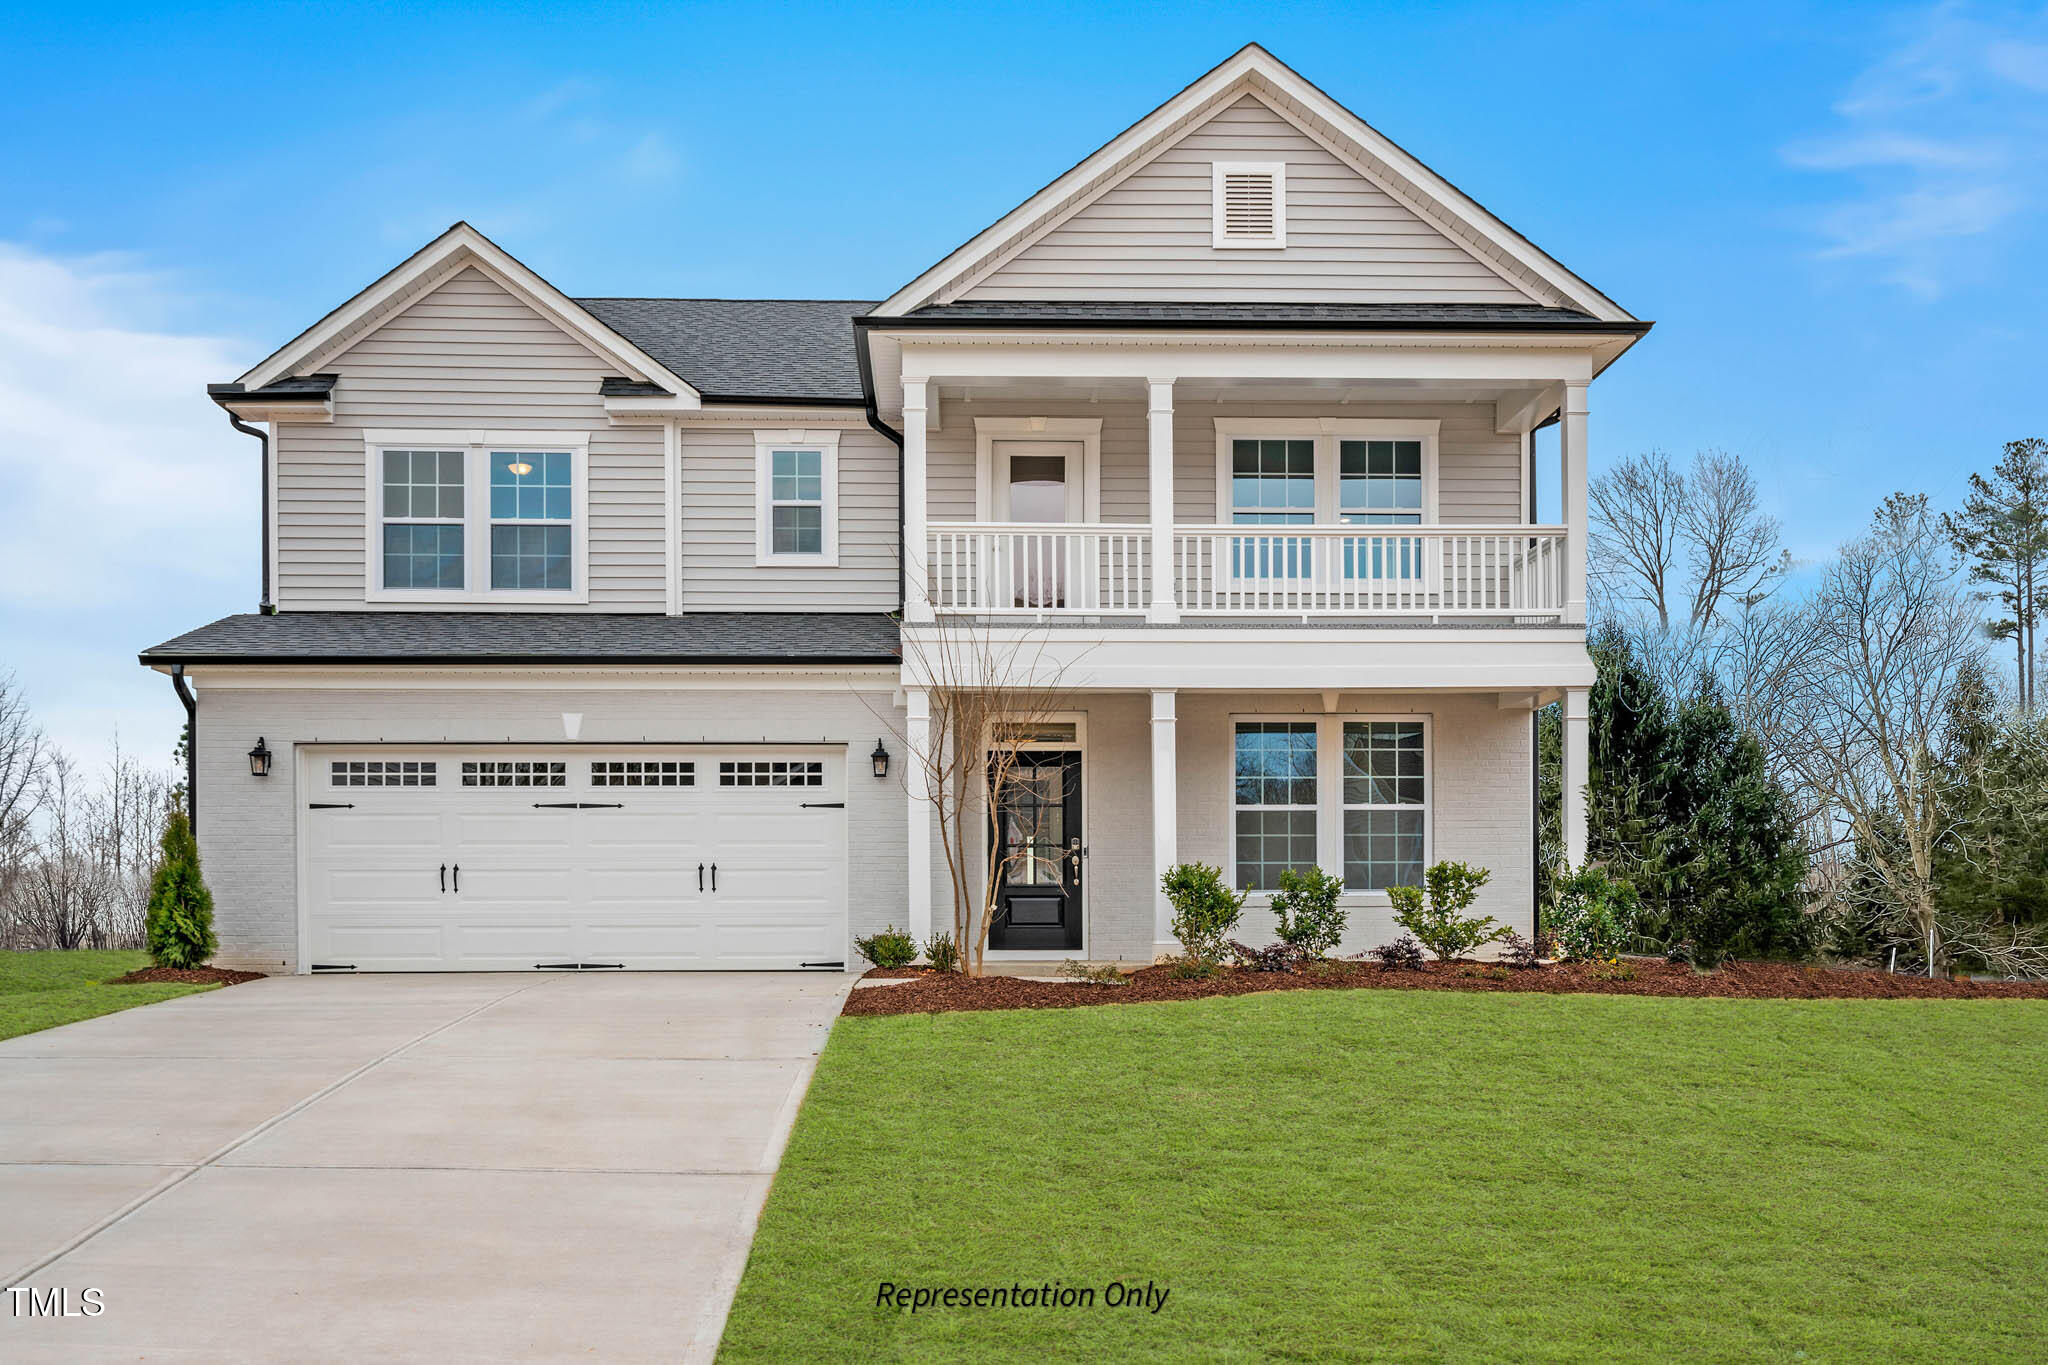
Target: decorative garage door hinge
(330,805)
(579,805)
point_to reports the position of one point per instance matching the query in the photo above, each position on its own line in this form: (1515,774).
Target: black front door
(1038,840)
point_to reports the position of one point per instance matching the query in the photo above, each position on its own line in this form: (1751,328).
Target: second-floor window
(476,516)
(797,498)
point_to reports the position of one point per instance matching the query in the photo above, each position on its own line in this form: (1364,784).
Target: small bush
(1305,906)
(1441,924)
(1517,951)
(1105,974)
(890,948)
(1594,916)
(1189,968)
(180,920)
(942,953)
(1205,909)
(1404,954)
(1274,957)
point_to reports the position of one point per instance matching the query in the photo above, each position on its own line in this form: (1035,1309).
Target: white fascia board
(1137,357)
(463,244)
(1252,67)
(413,677)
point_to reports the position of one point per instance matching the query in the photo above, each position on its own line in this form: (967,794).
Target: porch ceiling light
(520,468)
(259,759)
(880,758)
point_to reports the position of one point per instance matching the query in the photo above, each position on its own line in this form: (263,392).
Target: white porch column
(1159,484)
(917,605)
(917,734)
(1576,771)
(1571,454)
(1165,811)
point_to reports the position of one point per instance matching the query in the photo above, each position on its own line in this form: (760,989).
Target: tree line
(1827,760)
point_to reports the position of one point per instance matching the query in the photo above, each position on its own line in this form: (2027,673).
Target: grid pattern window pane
(1385,800)
(636,772)
(1272,483)
(530,485)
(796,502)
(775,772)
(1379,483)
(423,484)
(530,557)
(522,772)
(1275,800)
(372,772)
(422,556)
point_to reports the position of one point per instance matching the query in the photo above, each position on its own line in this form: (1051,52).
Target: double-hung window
(796,475)
(1379,483)
(1344,793)
(476,516)
(1272,483)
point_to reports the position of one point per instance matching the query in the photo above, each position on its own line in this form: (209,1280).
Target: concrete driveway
(497,1167)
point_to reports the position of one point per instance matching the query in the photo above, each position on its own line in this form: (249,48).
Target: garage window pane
(778,772)
(515,773)
(638,772)
(361,772)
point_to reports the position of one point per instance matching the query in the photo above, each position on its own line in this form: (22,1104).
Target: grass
(1372,1174)
(43,990)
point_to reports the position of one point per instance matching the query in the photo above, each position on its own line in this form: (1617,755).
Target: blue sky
(1834,213)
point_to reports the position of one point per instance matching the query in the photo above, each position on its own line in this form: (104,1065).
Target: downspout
(265,606)
(191,745)
(874,416)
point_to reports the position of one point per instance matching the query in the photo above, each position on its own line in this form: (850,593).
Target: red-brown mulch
(932,993)
(185,976)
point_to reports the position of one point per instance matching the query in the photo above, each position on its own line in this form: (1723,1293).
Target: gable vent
(1251,204)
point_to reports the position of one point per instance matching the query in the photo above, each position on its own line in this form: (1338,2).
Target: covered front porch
(1119,785)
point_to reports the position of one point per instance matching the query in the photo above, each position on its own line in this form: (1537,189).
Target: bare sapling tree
(1637,508)
(1894,630)
(58,897)
(23,757)
(2002,530)
(1733,547)
(991,688)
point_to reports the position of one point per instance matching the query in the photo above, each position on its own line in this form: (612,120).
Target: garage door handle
(444,879)
(714,877)
(700,876)
(458,878)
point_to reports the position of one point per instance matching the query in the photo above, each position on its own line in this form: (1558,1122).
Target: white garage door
(506,859)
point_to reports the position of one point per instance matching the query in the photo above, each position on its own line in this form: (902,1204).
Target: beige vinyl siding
(719,511)
(465,355)
(1149,236)
(1479,472)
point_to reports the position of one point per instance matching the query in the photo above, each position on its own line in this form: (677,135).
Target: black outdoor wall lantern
(880,758)
(259,759)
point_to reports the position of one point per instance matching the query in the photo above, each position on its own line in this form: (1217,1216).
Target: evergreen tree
(180,923)
(2003,531)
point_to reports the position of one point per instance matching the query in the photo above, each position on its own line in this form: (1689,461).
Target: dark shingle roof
(308,386)
(746,348)
(532,637)
(1363,316)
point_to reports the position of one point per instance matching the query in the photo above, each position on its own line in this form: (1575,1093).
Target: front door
(1037,837)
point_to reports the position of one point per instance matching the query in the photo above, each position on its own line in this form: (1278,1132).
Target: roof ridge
(702,298)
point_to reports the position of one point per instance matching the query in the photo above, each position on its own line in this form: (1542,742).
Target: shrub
(1274,957)
(1441,924)
(942,953)
(180,921)
(890,948)
(1594,916)
(1189,968)
(1205,909)
(1105,974)
(1517,951)
(1310,920)
(1404,954)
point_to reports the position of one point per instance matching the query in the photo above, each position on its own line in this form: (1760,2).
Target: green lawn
(1328,1175)
(43,990)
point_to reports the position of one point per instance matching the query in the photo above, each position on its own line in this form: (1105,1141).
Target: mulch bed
(932,993)
(185,976)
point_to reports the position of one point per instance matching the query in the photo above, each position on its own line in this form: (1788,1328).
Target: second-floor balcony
(1406,572)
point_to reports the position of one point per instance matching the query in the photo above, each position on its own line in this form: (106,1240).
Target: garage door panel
(622,878)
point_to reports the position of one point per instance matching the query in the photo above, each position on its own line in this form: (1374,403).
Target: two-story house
(601,631)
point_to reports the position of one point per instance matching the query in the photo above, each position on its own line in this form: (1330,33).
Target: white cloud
(111,459)
(1945,138)
(652,160)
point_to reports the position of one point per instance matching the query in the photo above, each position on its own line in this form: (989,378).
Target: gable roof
(1369,152)
(734,350)
(460,247)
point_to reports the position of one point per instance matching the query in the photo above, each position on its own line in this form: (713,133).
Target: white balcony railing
(998,568)
(1425,571)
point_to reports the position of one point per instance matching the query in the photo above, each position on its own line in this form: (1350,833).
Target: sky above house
(1832,212)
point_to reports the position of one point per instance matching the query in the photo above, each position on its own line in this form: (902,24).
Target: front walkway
(432,1167)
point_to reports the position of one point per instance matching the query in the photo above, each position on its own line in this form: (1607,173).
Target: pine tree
(2003,531)
(180,907)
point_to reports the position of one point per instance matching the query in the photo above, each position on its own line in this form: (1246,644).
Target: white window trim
(1222,242)
(1327,432)
(1330,793)
(1065,430)
(477,446)
(766,443)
